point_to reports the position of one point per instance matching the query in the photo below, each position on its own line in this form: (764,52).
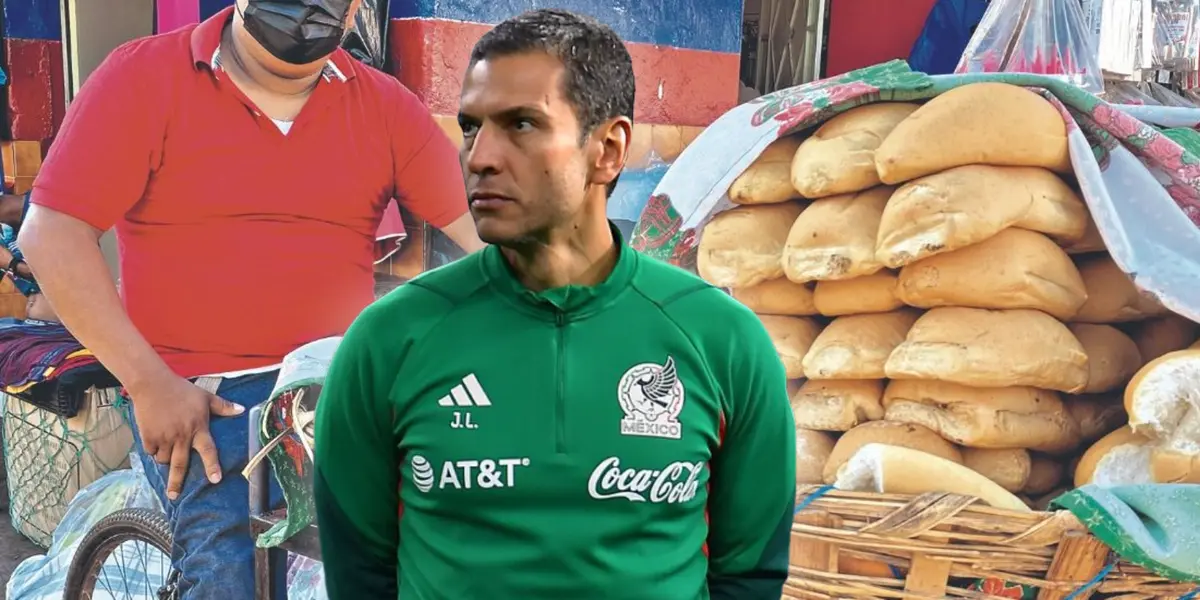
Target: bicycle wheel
(126,556)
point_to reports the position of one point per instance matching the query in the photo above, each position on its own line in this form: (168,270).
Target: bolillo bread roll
(967,205)
(792,337)
(839,158)
(835,238)
(1020,129)
(1112,357)
(1097,415)
(1015,268)
(1010,469)
(837,405)
(989,418)
(1168,333)
(991,348)
(812,452)
(893,434)
(1163,402)
(1045,474)
(897,470)
(1112,296)
(744,246)
(768,180)
(867,294)
(1119,458)
(777,297)
(857,346)
(1090,242)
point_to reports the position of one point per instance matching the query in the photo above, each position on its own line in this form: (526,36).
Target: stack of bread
(944,306)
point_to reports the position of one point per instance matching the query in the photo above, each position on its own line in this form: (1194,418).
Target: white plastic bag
(43,577)
(1047,37)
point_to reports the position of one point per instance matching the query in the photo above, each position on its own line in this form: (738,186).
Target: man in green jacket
(556,416)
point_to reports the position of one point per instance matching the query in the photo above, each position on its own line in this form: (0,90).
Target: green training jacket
(629,441)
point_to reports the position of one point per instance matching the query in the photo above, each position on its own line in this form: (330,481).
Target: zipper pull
(559,318)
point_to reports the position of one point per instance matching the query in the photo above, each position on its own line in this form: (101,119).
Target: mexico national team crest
(652,397)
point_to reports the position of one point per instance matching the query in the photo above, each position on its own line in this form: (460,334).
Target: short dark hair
(599,71)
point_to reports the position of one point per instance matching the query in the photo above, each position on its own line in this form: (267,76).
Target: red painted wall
(866,32)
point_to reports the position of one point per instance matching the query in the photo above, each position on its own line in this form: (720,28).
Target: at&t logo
(422,473)
(466,474)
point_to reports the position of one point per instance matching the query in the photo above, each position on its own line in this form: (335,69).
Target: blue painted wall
(32,20)
(209,8)
(714,25)
(697,24)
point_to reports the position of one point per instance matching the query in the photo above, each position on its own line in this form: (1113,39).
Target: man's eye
(523,125)
(468,129)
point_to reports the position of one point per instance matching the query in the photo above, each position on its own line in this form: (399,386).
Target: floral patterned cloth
(1154,526)
(1142,188)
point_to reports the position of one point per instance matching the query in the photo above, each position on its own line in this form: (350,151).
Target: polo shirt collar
(206,49)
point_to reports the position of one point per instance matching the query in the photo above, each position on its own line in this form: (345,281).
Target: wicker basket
(944,546)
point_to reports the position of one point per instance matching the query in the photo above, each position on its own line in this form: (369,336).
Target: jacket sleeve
(753,482)
(355,480)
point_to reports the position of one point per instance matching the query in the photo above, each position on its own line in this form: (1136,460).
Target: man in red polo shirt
(245,163)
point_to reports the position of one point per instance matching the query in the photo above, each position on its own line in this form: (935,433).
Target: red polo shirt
(239,243)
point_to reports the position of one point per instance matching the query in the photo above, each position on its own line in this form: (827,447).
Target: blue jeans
(213,551)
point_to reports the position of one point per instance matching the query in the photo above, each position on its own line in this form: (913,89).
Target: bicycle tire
(127,525)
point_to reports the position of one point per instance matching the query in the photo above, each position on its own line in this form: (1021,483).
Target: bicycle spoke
(129,560)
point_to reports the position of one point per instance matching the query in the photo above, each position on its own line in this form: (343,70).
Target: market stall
(982,287)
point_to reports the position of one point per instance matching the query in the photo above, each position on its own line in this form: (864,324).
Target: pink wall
(173,14)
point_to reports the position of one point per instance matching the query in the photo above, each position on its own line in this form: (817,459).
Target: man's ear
(613,137)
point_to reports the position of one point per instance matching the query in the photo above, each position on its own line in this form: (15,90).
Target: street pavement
(14,548)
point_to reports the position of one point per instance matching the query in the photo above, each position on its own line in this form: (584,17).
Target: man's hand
(172,418)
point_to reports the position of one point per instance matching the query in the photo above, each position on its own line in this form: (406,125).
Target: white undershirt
(284,126)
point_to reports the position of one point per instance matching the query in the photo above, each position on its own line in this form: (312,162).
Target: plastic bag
(1176,39)
(305,579)
(367,37)
(44,577)
(285,433)
(1046,37)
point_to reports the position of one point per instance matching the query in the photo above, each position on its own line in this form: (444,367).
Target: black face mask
(297,31)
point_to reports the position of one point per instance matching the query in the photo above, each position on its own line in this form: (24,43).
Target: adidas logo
(467,393)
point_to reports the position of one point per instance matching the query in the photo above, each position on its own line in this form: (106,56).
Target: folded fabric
(65,393)
(1155,526)
(30,350)
(42,363)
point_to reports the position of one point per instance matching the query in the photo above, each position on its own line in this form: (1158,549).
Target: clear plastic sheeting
(44,577)
(1176,41)
(305,579)
(1046,37)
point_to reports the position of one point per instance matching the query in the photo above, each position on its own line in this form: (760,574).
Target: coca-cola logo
(674,484)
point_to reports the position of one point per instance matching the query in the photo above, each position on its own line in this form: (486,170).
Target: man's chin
(497,232)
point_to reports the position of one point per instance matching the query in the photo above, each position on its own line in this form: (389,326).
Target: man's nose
(485,150)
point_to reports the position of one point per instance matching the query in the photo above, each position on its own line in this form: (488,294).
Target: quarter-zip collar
(572,302)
